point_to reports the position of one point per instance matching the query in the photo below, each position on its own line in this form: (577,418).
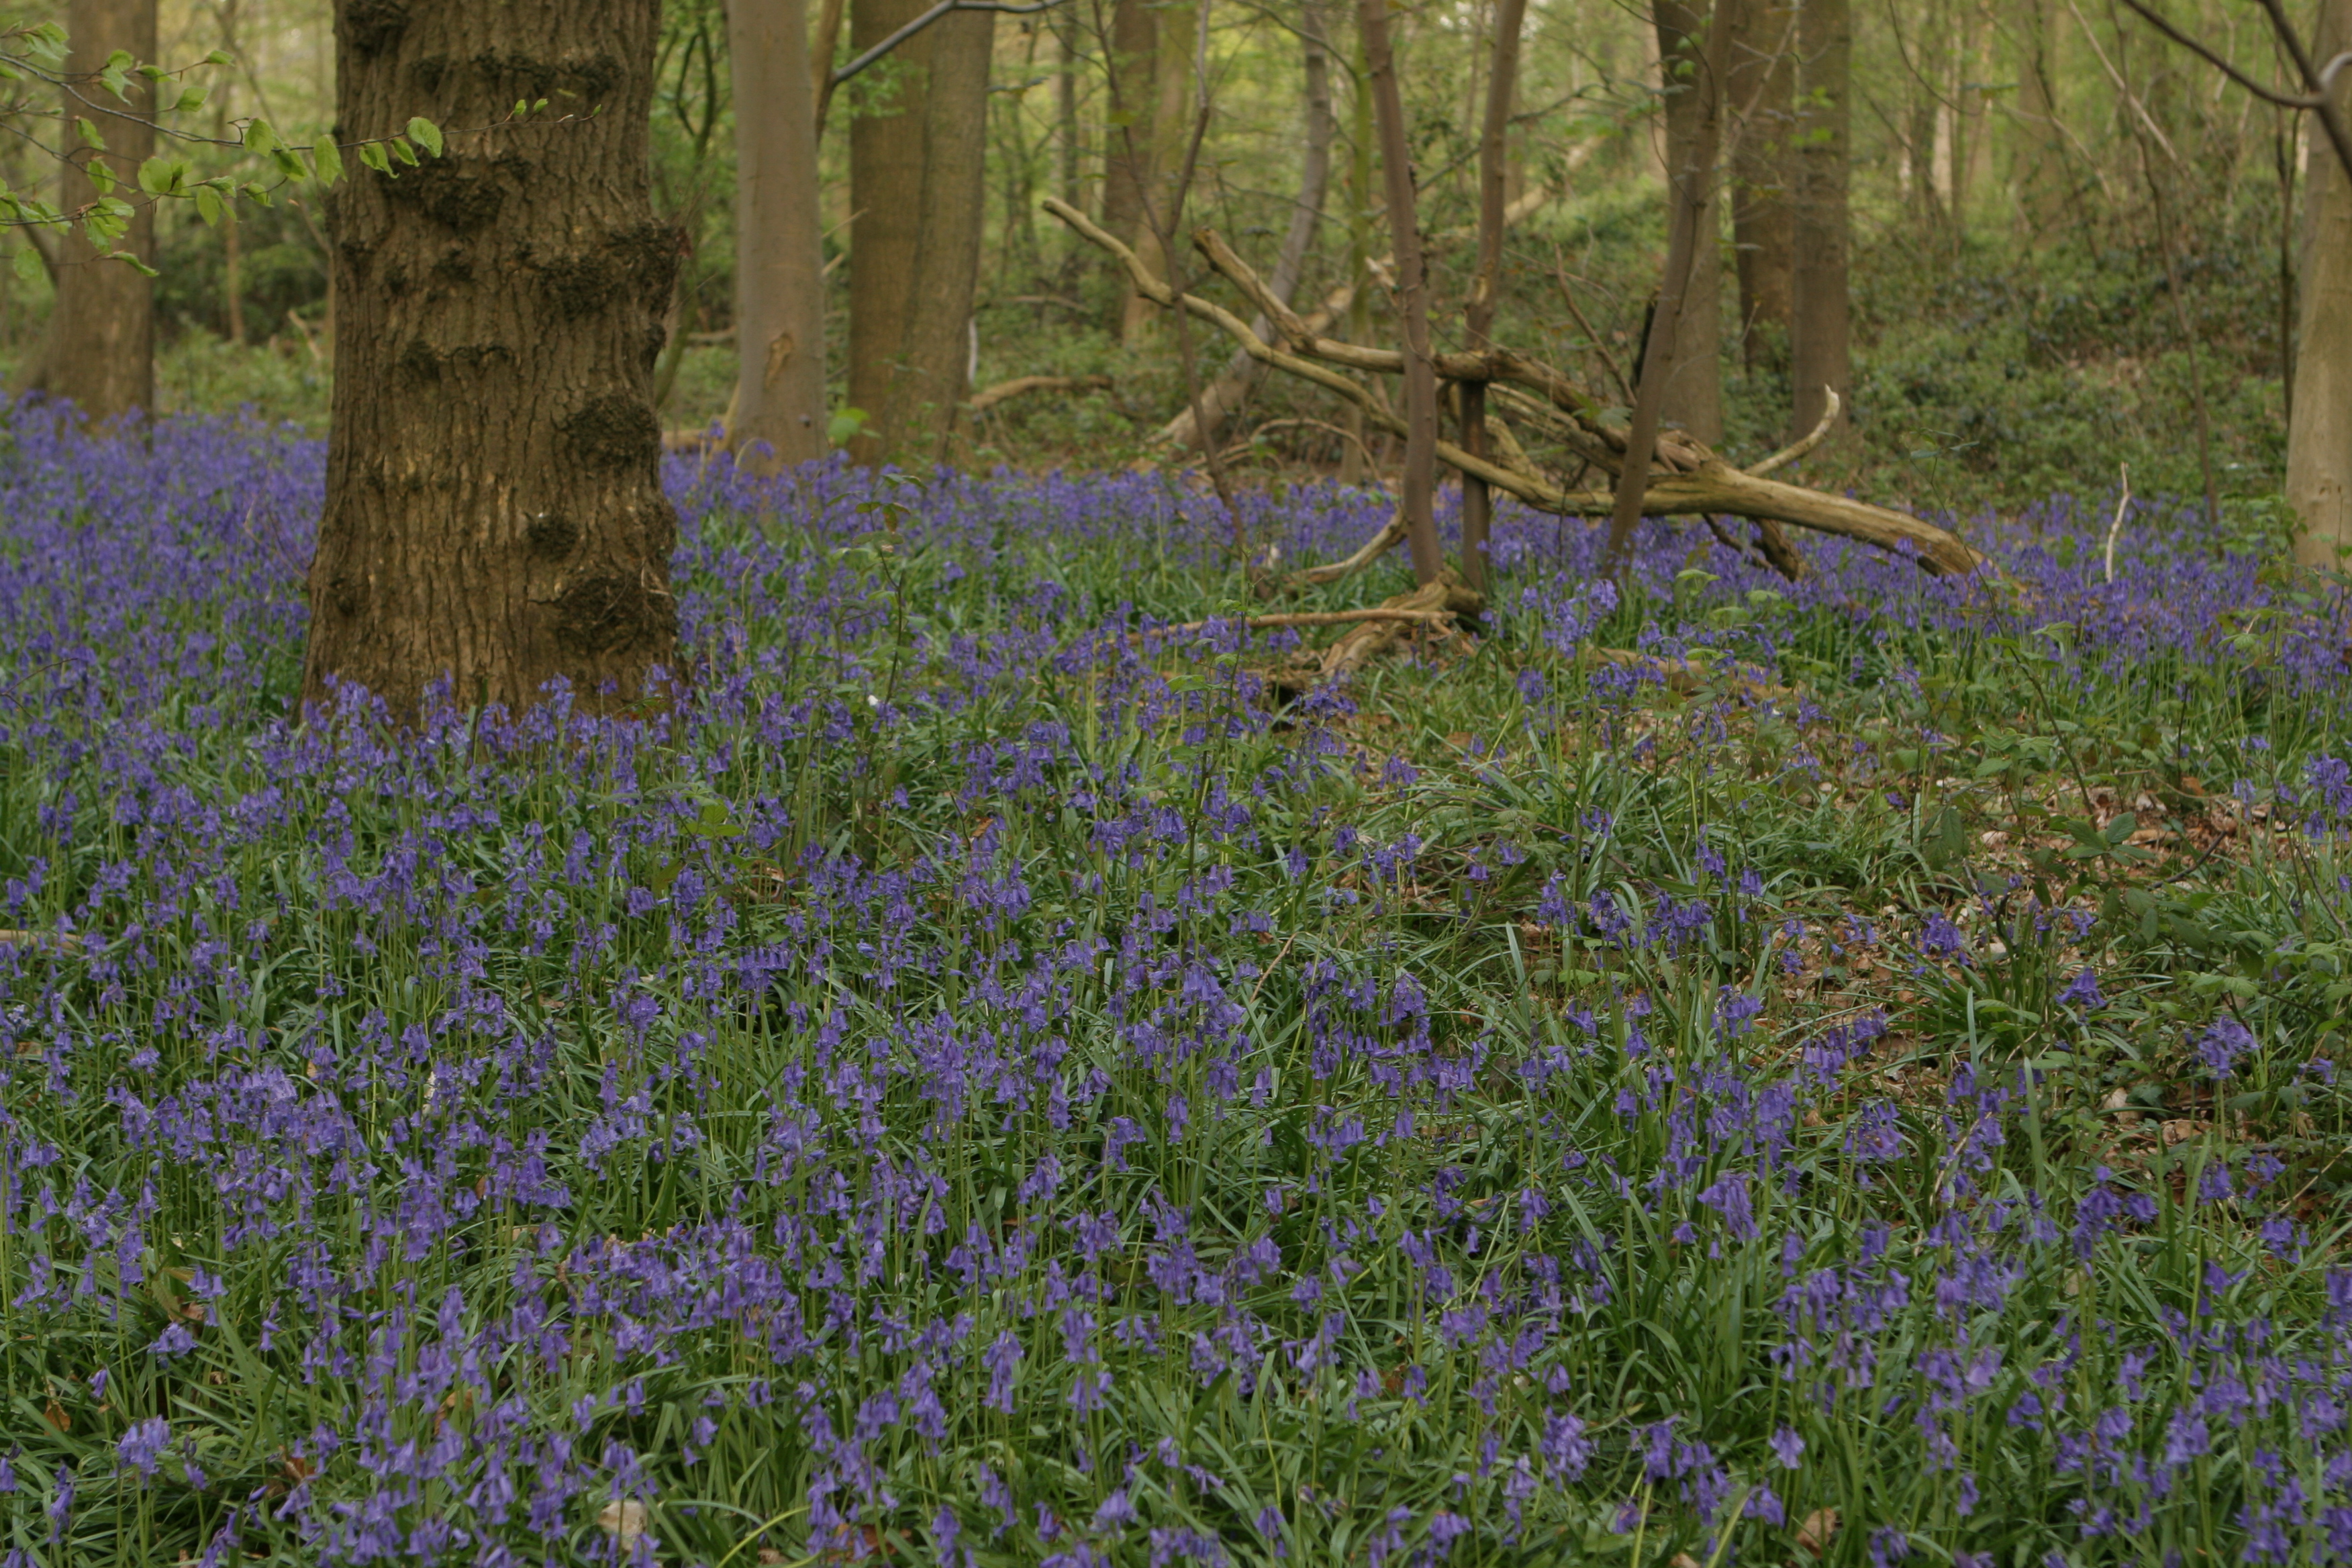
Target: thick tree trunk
(935,356)
(1693,395)
(1758,92)
(1416,503)
(886,193)
(780,418)
(101,346)
(1820,333)
(2320,433)
(1486,288)
(1241,372)
(494,513)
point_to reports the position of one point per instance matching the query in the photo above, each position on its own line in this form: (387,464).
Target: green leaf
(190,97)
(208,205)
(101,174)
(328,159)
(2121,828)
(403,151)
(220,58)
(426,134)
(160,176)
(374,155)
(88,133)
(259,138)
(28,264)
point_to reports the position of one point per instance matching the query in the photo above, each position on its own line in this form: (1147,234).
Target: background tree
(935,347)
(494,516)
(1820,333)
(780,409)
(1693,391)
(2319,434)
(1757,92)
(100,351)
(885,199)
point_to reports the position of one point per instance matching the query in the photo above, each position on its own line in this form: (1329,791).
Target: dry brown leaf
(623,1517)
(1813,1534)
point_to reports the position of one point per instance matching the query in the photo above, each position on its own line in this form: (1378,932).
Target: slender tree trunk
(1172,123)
(1820,349)
(1241,372)
(494,513)
(1486,288)
(1417,504)
(1690,193)
(2319,436)
(1133,51)
(935,356)
(232,275)
(886,198)
(820,54)
(1355,463)
(101,346)
(780,418)
(1969,139)
(2039,171)
(1695,384)
(1756,88)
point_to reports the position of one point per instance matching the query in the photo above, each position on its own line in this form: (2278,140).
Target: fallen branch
(1796,449)
(1301,618)
(989,397)
(1442,597)
(1690,480)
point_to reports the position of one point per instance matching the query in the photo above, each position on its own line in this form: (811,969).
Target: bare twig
(2123,505)
(1797,448)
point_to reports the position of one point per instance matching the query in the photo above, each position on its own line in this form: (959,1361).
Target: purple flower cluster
(968,1081)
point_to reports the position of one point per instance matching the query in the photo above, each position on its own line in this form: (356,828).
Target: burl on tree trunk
(494,512)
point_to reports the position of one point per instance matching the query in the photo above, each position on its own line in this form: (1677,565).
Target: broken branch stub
(1686,479)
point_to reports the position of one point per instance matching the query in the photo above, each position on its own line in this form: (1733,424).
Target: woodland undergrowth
(1730,1070)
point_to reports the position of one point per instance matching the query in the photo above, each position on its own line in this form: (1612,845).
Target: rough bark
(1486,284)
(1820,327)
(1241,372)
(1417,493)
(935,356)
(886,196)
(1693,391)
(1757,92)
(100,351)
(779,416)
(2320,433)
(494,512)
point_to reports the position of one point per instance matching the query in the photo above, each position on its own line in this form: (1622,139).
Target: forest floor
(1744,1071)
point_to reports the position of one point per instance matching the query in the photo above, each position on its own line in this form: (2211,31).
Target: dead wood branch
(1390,535)
(1796,449)
(1443,596)
(1687,479)
(1302,618)
(989,397)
